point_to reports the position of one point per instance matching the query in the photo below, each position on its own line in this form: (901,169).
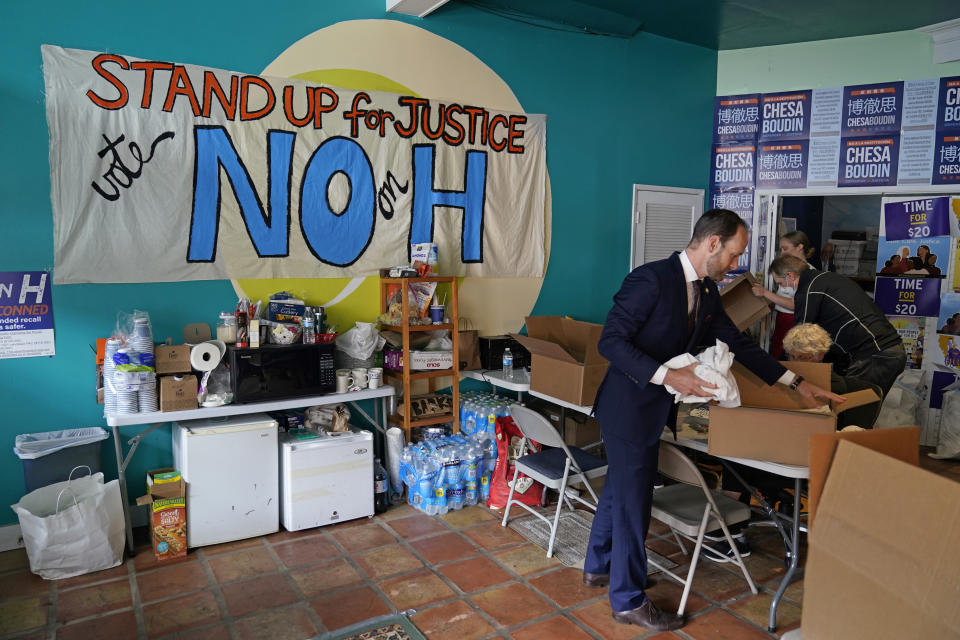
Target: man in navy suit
(663,309)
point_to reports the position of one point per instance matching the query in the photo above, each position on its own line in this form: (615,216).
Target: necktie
(693,303)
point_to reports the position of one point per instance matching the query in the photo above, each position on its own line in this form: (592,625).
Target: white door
(663,219)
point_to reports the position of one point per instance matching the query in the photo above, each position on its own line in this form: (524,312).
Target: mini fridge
(325,479)
(230,467)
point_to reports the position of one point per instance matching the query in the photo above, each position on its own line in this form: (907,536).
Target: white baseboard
(10,538)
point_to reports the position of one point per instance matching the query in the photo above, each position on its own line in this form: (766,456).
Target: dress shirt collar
(689,273)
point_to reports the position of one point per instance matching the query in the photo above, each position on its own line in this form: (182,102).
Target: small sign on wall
(26,315)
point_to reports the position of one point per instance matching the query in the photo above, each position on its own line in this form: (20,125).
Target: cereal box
(166,498)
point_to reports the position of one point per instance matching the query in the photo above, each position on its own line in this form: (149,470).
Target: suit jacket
(647,326)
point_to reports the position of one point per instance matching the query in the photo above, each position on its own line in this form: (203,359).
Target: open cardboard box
(772,423)
(741,305)
(565,363)
(882,561)
(166,497)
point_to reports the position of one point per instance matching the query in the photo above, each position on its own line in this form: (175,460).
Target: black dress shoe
(596,579)
(649,616)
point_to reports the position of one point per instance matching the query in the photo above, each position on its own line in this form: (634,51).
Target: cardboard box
(882,559)
(741,305)
(419,360)
(578,430)
(166,498)
(565,363)
(178,395)
(285,310)
(581,430)
(902,443)
(172,358)
(773,423)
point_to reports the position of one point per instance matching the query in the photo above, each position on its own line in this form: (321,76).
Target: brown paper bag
(469,350)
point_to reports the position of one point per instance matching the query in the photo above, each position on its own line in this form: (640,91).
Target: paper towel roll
(220,345)
(395,446)
(204,356)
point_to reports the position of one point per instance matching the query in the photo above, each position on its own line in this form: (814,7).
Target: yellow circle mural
(400,58)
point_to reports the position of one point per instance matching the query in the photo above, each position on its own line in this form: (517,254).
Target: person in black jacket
(856,325)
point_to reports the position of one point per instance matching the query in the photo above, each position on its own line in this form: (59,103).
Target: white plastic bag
(361,341)
(83,533)
(901,404)
(948,440)
(713,365)
(30,446)
(441,341)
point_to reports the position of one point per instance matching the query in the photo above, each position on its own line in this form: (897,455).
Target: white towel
(713,365)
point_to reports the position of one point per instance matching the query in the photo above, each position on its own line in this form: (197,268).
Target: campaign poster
(736,117)
(919,218)
(871,109)
(782,164)
(948,105)
(26,315)
(956,265)
(785,116)
(732,166)
(826,113)
(906,296)
(922,257)
(740,201)
(823,161)
(945,351)
(911,331)
(869,162)
(916,157)
(948,321)
(920,103)
(946,159)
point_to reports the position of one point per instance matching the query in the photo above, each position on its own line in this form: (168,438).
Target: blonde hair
(807,339)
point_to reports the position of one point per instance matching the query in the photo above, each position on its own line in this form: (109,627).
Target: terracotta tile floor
(458,576)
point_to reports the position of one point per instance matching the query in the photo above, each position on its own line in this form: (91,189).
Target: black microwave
(280,371)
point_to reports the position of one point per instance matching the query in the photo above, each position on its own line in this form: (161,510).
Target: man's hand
(812,393)
(687,382)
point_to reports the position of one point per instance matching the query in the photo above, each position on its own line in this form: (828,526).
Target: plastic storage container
(50,456)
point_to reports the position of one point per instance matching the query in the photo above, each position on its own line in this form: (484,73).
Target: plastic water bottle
(381,499)
(507,364)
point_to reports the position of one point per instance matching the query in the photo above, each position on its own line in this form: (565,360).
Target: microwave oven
(280,371)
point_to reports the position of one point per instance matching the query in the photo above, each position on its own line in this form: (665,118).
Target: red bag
(507,429)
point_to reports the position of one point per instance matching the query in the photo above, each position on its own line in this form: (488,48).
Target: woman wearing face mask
(795,243)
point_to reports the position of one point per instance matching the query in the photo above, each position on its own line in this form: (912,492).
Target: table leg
(122,479)
(794,556)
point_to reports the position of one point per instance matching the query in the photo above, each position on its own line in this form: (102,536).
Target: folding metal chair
(555,466)
(691,509)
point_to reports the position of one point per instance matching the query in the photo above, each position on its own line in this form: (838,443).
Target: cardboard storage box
(773,423)
(741,305)
(579,430)
(419,360)
(166,498)
(172,358)
(902,443)
(178,395)
(565,363)
(882,559)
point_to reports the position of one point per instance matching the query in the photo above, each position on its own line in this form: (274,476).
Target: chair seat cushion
(550,462)
(683,504)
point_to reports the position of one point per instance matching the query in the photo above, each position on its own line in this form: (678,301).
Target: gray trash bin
(50,456)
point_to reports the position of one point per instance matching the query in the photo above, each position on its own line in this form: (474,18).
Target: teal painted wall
(619,112)
(902,55)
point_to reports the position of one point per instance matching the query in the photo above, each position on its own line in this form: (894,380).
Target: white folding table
(155,419)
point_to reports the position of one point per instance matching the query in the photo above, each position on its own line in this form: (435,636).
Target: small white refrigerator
(230,467)
(325,480)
